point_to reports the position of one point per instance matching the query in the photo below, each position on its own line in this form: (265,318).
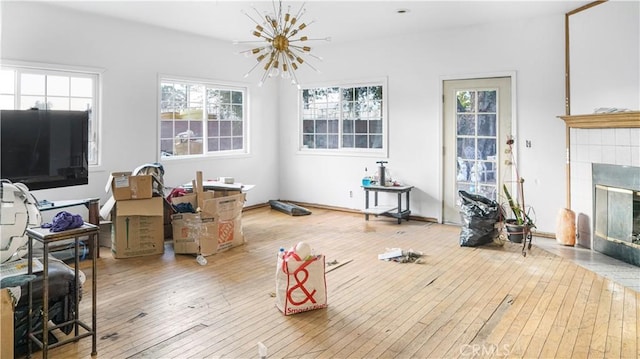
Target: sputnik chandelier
(282,50)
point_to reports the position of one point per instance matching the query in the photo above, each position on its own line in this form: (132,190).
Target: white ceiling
(341,20)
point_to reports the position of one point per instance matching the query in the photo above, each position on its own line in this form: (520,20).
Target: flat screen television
(44,149)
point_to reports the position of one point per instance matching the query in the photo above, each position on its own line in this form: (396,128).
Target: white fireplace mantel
(630,119)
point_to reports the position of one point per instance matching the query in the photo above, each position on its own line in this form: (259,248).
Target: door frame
(514,122)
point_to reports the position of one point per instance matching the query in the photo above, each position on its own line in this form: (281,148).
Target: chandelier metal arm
(283,51)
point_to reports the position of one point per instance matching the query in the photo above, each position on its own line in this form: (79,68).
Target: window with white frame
(26,87)
(347,118)
(199,117)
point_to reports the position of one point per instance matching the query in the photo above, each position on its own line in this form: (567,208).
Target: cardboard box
(138,228)
(6,324)
(124,186)
(193,235)
(228,213)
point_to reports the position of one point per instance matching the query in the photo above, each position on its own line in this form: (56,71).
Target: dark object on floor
(289,208)
(61,304)
(479,217)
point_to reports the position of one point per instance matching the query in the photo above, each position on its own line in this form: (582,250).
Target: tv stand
(92,204)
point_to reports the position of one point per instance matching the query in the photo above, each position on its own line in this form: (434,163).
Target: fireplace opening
(616,204)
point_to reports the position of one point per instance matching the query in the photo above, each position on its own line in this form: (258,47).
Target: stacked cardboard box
(137,217)
(216,227)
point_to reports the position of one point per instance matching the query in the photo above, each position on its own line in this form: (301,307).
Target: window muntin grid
(343,118)
(199,118)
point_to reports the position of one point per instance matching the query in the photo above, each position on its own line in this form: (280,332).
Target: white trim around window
(342,117)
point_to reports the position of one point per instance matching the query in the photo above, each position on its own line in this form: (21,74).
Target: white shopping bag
(300,284)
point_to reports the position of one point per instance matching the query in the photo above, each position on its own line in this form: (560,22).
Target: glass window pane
(466,125)
(181,127)
(486,148)
(487,125)
(487,101)
(236,112)
(466,148)
(213,128)
(166,129)
(375,141)
(6,102)
(307,126)
(347,126)
(308,141)
(237,143)
(32,84)
(214,144)
(57,86)
(361,141)
(333,141)
(375,126)
(466,101)
(196,128)
(225,96)
(166,147)
(58,103)
(27,102)
(225,144)
(321,141)
(81,87)
(321,126)
(236,97)
(7,81)
(80,104)
(348,141)
(236,128)
(361,126)
(225,129)
(334,126)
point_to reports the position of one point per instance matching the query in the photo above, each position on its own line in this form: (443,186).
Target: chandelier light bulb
(279,33)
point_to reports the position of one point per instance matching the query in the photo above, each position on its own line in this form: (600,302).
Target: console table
(46,237)
(92,204)
(391,211)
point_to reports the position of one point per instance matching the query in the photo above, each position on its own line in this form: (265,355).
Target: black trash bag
(479,216)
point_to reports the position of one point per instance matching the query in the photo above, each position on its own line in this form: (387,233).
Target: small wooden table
(46,237)
(391,211)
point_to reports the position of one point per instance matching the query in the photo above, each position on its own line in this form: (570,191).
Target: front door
(477,120)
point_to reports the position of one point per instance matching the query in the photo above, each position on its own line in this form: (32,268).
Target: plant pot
(515,231)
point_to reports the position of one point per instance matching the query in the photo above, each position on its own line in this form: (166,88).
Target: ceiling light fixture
(281,52)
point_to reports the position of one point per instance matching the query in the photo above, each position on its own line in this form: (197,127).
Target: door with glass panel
(477,119)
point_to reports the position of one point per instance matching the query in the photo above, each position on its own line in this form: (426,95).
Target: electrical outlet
(350,194)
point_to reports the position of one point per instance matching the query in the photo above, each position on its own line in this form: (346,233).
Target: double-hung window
(200,117)
(344,118)
(24,87)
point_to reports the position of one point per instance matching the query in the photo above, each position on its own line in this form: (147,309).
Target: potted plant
(521,223)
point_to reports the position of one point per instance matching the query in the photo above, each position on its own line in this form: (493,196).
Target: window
(25,87)
(199,118)
(346,118)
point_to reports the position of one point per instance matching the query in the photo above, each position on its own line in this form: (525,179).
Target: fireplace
(616,203)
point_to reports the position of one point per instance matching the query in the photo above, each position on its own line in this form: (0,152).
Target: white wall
(415,66)
(131,57)
(605,57)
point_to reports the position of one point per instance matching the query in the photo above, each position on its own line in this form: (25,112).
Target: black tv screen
(44,149)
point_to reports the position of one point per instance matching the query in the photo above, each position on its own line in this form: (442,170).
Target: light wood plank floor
(459,303)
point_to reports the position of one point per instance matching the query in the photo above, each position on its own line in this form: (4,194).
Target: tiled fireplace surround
(614,146)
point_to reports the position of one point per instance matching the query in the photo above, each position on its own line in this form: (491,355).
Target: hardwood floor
(458,303)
